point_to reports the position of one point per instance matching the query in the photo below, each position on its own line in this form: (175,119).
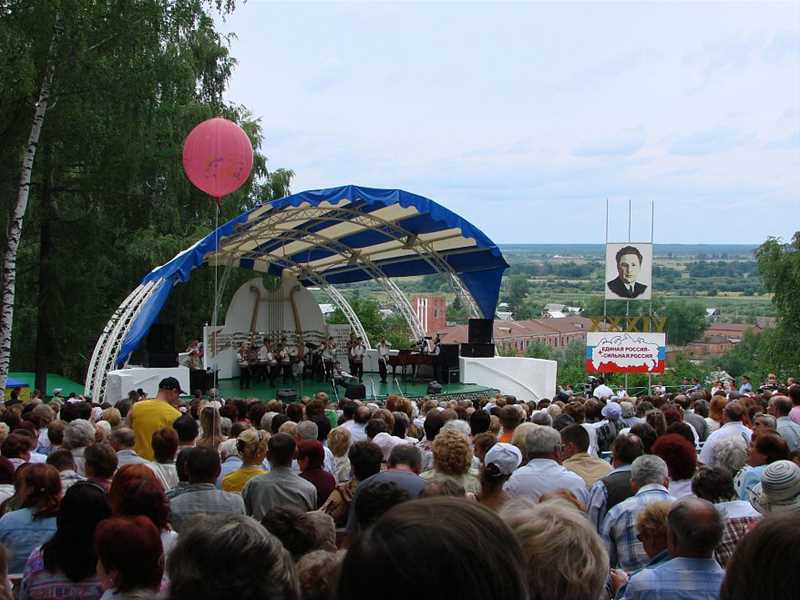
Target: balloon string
(216,286)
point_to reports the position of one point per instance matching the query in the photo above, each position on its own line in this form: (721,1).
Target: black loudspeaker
(480,331)
(160,339)
(356,391)
(200,379)
(162,360)
(477,350)
(160,346)
(287,395)
(448,354)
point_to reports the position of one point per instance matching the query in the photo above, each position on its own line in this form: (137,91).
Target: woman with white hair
(78,434)
(731,453)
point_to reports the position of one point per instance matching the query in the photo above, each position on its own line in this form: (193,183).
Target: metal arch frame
(103,340)
(107,348)
(391,289)
(368,221)
(405,308)
(341,302)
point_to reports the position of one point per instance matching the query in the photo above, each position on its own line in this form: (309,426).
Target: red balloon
(217,157)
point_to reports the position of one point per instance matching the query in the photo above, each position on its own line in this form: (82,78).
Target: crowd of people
(691,495)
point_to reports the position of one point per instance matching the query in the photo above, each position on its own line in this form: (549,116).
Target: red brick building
(515,336)
(431,312)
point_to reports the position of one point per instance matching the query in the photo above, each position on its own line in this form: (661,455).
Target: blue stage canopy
(338,235)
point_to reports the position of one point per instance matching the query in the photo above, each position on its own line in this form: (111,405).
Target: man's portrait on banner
(629,271)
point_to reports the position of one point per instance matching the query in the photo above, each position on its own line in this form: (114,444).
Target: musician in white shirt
(296,357)
(383,357)
(285,362)
(244,366)
(263,353)
(357,358)
(329,357)
(436,352)
(270,365)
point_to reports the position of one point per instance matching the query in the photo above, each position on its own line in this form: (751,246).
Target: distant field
(721,276)
(665,250)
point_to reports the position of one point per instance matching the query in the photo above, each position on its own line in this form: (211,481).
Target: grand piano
(409,358)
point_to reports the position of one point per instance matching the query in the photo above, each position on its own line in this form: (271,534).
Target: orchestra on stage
(263,359)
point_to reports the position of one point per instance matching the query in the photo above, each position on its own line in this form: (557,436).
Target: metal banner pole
(628,302)
(652,221)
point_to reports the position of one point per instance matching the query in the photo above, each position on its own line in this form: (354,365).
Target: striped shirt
(619,528)
(677,579)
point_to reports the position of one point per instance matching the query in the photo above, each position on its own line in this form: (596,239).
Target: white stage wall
(525,378)
(122,381)
(247,314)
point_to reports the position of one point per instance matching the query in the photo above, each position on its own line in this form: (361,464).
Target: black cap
(170,383)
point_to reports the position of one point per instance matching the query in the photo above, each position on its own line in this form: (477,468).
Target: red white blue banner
(625,352)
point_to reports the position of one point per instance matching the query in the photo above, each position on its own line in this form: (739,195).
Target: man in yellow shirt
(148,416)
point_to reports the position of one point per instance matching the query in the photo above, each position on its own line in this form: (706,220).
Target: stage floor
(372,383)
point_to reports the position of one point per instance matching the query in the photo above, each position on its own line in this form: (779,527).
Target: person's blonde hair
(563,497)
(251,442)
(452,453)
(113,416)
(289,427)
(518,439)
(339,441)
(651,522)
(564,557)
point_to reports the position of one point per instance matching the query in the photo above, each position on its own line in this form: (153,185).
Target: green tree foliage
(539,349)
(685,321)
(109,199)
(456,311)
(571,363)
(750,357)
(394,328)
(779,267)
(516,291)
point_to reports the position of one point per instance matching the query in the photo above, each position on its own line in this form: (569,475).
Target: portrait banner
(629,271)
(625,352)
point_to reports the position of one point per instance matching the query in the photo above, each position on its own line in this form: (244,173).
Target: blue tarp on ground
(479,263)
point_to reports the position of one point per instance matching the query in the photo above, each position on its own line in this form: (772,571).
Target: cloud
(785,45)
(627,145)
(710,141)
(789,142)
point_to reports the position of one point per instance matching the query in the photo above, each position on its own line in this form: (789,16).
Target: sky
(525,118)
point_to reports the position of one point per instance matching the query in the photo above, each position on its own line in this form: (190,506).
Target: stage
(263,391)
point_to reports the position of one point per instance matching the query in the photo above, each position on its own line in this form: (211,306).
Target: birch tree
(108,199)
(14,234)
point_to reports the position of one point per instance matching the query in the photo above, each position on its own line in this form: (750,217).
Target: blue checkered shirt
(619,528)
(597,505)
(677,579)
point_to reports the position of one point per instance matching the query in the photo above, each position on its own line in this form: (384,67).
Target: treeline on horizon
(697,251)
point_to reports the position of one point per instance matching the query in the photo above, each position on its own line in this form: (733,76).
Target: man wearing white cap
(500,462)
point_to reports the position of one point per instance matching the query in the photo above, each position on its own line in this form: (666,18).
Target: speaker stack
(160,346)
(479,338)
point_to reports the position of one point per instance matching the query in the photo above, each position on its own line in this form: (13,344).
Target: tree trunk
(9,274)
(43,326)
